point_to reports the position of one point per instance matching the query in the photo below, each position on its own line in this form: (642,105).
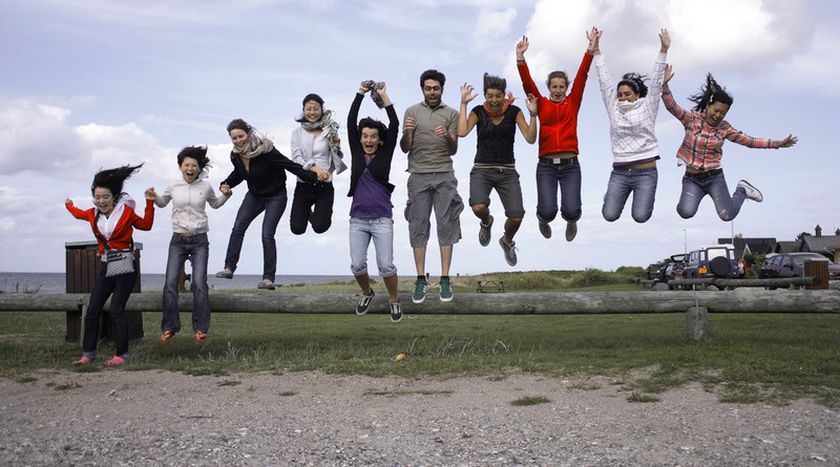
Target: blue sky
(101,83)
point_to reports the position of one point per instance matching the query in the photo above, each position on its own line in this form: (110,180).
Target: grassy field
(751,357)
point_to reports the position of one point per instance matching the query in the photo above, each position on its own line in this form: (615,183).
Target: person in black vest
(495,167)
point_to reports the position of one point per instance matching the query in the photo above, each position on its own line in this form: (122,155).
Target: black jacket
(380,165)
(266,174)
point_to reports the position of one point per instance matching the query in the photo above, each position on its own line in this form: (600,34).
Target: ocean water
(53,282)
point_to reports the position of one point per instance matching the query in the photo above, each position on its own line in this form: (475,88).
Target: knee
(321,227)
(611,215)
(480,210)
(358,268)
(642,217)
(684,213)
(546,215)
(298,229)
(725,216)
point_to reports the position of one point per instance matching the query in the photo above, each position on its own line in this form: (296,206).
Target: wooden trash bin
(82,266)
(818,269)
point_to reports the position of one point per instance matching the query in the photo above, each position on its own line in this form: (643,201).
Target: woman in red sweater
(112,220)
(558,162)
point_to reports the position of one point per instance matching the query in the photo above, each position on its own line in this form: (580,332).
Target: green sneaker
(446,292)
(419,291)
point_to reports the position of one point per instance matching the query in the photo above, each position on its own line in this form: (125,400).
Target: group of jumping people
(430,135)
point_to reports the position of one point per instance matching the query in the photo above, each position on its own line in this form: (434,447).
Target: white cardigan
(188,200)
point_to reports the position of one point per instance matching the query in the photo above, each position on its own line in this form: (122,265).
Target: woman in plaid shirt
(632,109)
(705,132)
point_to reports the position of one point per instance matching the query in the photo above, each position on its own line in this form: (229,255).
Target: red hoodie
(558,120)
(120,238)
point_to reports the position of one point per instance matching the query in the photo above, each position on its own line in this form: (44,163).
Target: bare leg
(364,282)
(511,227)
(481,212)
(445,259)
(420,260)
(391,285)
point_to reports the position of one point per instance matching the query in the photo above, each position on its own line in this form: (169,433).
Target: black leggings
(307,195)
(121,287)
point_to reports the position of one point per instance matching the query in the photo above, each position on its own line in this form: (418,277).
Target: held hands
(521,47)
(594,37)
(150,193)
(322,174)
(664,40)
(789,141)
(467,94)
(225,189)
(532,104)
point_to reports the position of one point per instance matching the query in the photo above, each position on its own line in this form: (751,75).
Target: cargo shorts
(438,191)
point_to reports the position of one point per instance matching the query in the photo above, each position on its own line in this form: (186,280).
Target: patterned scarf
(254,146)
(508,101)
(373,86)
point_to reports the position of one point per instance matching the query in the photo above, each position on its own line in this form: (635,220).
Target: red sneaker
(201,336)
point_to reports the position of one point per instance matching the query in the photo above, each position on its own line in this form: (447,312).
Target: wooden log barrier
(738,301)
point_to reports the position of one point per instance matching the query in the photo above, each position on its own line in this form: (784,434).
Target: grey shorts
(506,183)
(438,190)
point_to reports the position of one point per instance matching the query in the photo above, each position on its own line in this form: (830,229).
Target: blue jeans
(694,189)
(196,248)
(548,177)
(381,231)
(623,181)
(251,207)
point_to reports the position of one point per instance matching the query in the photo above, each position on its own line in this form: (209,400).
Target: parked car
(793,265)
(667,269)
(714,261)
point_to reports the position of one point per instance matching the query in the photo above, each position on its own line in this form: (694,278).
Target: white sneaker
(751,191)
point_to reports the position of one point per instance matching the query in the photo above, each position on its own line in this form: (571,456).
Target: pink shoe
(116,361)
(85,360)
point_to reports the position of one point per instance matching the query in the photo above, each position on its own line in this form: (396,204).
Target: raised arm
(465,122)
(576,95)
(148,219)
(76,212)
(390,142)
(529,130)
(668,98)
(353,136)
(655,90)
(604,80)
(524,73)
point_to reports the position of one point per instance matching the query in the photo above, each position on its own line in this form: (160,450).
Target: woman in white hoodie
(189,195)
(632,108)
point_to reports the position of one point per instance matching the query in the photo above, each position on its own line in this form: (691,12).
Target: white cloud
(35,137)
(493,24)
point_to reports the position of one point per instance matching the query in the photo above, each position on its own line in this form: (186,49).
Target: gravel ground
(309,418)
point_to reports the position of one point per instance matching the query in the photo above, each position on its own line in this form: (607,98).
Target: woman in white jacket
(189,195)
(632,108)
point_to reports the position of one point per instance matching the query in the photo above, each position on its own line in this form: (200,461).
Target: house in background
(825,245)
(746,246)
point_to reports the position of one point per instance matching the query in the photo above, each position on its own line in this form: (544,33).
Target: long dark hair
(113,179)
(199,153)
(710,93)
(634,81)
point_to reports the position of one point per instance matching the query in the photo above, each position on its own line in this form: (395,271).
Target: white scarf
(625,106)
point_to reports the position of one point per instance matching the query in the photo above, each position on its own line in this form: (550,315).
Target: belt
(558,161)
(704,175)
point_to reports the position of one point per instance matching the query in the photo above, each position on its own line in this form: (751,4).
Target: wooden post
(818,269)
(697,323)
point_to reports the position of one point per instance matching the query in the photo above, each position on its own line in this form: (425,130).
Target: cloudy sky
(94,84)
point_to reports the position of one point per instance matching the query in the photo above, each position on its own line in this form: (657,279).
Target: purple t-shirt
(371,200)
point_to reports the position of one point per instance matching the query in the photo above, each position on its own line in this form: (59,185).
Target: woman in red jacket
(558,162)
(112,221)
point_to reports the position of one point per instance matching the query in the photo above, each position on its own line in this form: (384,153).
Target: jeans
(121,287)
(694,189)
(568,177)
(381,230)
(196,248)
(623,181)
(307,195)
(251,207)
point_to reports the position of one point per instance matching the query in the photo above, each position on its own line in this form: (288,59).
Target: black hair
(557,74)
(310,97)
(433,75)
(494,82)
(199,153)
(368,122)
(634,81)
(113,179)
(710,93)
(239,124)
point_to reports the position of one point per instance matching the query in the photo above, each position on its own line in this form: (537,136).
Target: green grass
(751,357)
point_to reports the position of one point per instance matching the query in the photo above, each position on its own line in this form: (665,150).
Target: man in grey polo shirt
(430,139)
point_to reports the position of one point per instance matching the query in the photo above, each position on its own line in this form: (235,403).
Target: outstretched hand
(669,73)
(789,141)
(521,47)
(467,94)
(664,40)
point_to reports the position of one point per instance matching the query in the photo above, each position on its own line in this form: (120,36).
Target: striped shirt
(701,147)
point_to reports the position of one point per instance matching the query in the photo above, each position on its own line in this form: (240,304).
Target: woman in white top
(632,108)
(316,146)
(189,195)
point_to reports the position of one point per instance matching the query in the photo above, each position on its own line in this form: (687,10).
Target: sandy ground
(310,418)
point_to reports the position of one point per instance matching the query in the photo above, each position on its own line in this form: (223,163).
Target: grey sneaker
(419,291)
(225,274)
(752,192)
(396,312)
(266,285)
(571,231)
(545,229)
(364,303)
(446,292)
(509,250)
(484,232)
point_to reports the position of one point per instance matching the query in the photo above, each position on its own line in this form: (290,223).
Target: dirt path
(145,417)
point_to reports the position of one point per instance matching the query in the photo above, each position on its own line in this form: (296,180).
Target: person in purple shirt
(371,212)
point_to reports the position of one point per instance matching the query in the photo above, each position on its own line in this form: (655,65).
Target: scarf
(508,101)
(624,106)
(373,86)
(254,146)
(329,128)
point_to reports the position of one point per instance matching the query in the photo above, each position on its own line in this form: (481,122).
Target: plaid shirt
(701,147)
